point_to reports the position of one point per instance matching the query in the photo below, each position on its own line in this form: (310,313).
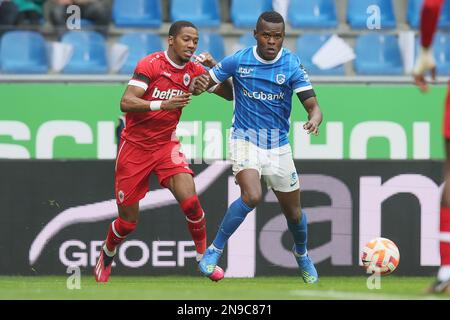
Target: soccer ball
(381,256)
(217,274)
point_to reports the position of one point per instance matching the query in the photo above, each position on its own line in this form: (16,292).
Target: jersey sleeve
(198,69)
(429,20)
(224,69)
(143,74)
(300,82)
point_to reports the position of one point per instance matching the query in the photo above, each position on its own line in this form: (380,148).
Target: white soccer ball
(380,256)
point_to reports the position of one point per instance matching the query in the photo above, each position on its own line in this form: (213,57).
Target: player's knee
(129,213)
(252,198)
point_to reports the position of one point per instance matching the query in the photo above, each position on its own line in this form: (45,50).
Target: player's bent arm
(132,102)
(315,116)
(205,82)
(311,106)
(225,90)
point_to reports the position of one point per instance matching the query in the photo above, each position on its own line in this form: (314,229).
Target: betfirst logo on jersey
(263,96)
(165,95)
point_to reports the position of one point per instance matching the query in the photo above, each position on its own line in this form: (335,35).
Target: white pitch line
(349,295)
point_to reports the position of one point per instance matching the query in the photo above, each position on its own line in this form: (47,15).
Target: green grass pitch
(198,288)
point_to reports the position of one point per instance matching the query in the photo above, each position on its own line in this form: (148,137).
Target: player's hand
(206,59)
(177,102)
(199,85)
(424,63)
(311,127)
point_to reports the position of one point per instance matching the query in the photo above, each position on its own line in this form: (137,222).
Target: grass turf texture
(198,288)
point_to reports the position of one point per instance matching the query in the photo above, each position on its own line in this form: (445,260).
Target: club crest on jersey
(186,79)
(121,195)
(280,78)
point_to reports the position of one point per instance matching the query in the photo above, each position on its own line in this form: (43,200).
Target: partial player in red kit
(425,62)
(153,102)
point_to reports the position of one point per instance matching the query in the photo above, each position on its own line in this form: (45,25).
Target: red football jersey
(162,79)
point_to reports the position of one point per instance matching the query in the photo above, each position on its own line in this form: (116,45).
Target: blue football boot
(307,269)
(209,260)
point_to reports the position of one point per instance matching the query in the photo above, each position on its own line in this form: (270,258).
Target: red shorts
(134,166)
(446,124)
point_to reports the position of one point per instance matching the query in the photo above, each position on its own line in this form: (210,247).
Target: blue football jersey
(262,94)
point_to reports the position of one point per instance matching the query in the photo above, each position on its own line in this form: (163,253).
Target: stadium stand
(227,25)
(378,54)
(247,39)
(213,43)
(357,13)
(202,13)
(89,55)
(137,13)
(312,14)
(441,50)
(244,14)
(140,44)
(413,14)
(23,52)
(307,46)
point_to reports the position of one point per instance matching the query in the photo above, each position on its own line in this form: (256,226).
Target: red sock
(118,230)
(196,222)
(445,227)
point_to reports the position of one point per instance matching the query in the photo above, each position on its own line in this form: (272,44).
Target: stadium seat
(441,51)
(245,13)
(139,44)
(415,7)
(413,12)
(89,55)
(23,52)
(244,41)
(306,46)
(213,43)
(357,13)
(202,13)
(247,40)
(312,14)
(378,54)
(137,13)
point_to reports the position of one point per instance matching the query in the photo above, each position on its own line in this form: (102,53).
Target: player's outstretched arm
(314,115)
(204,83)
(132,101)
(425,61)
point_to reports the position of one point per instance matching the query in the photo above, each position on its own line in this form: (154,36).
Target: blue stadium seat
(23,52)
(213,43)
(415,7)
(247,40)
(245,13)
(378,54)
(357,13)
(413,12)
(89,55)
(312,14)
(139,44)
(306,46)
(86,23)
(202,13)
(441,51)
(137,13)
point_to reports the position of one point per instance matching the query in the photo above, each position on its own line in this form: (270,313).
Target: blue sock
(236,213)
(300,234)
